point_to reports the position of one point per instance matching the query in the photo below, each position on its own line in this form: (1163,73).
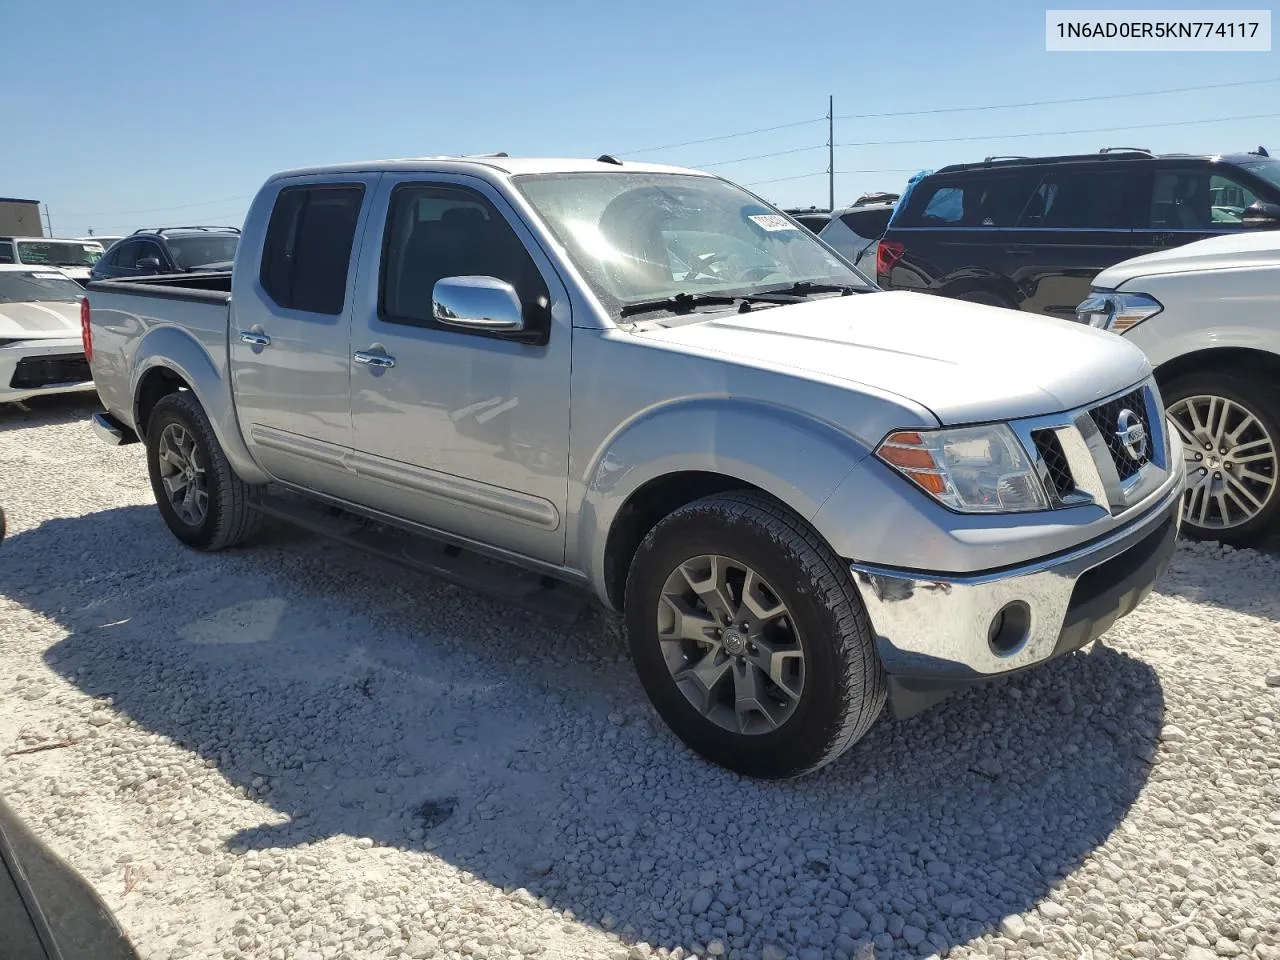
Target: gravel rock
(289,751)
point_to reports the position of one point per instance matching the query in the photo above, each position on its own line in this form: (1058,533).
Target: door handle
(1018,251)
(255,339)
(374,359)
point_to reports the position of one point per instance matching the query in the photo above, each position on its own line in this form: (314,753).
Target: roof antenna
(1262,152)
(606,158)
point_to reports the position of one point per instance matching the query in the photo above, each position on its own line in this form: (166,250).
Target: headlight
(968,469)
(1117,312)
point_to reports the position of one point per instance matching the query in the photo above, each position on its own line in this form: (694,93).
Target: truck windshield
(640,237)
(192,252)
(37,287)
(59,253)
(1268,170)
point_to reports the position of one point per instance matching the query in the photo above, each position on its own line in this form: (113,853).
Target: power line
(1056,133)
(981,107)
(1047,103)
(726,136)
(823,173)
(764,156)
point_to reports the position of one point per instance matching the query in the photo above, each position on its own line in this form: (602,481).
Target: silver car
(805,495)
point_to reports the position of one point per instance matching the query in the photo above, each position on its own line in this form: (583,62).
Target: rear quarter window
(972,201)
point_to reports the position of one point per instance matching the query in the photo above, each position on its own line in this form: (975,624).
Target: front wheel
(1230,431)
(749,637)
(203,502)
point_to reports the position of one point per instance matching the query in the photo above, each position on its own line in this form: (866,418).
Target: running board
(535,592)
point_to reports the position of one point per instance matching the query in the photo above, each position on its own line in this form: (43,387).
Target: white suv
(1208,316)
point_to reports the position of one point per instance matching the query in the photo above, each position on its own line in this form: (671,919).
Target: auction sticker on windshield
(50,276)
(772,222)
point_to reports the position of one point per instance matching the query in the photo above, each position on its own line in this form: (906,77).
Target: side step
(538,593)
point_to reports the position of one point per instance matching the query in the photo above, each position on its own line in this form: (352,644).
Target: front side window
(638,237)
(59,253)
(6,251)
(307,254)
(436,231)
(192,252)
(1198,199)
(38,287)
(126,255)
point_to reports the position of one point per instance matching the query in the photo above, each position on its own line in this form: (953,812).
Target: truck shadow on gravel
(347,697)
(47,411)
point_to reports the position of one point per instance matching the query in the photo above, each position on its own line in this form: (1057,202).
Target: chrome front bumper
(935,632)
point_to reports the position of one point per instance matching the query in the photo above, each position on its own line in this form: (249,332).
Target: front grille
(32,373)
(1107,418)
(1055,461)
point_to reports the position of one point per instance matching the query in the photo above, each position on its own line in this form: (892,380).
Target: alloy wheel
(183,475)
(1230,459)
(731,645)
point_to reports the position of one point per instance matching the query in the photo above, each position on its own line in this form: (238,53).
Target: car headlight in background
(968,469)
(1117,312)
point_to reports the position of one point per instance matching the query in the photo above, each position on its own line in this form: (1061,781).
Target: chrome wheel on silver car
(730,644)
(1230,458)
(182,474)
(1229,424)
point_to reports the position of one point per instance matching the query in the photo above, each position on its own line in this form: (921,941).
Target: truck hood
(39,321)
(1261,248)
(965,362)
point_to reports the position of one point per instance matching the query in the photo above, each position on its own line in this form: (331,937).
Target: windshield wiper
(804,288)
(680,303)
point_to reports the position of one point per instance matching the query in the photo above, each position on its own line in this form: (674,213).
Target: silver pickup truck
(804,494)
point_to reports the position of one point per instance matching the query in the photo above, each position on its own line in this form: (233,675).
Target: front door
(291,333)
(465,432)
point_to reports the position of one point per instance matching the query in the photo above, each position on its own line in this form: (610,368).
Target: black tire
(1263,402)
(228,518)
(987,299)
(844,686)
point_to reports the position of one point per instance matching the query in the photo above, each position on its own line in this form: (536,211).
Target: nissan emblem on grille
(1131,434)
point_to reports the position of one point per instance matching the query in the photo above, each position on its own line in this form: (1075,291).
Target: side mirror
(148,263)
(1261,214)
(477,303)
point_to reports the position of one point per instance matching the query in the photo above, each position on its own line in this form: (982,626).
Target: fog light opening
(1009,628)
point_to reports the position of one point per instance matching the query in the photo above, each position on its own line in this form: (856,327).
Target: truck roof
(511,166)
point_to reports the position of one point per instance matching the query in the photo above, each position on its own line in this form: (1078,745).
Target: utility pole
(47,220)
(831,152)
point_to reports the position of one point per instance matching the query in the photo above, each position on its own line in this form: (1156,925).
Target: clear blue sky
(124,115)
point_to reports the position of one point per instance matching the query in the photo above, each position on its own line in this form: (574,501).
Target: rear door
(1079,220)
(291,331)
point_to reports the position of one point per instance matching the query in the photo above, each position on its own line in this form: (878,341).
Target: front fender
(787,453)
(175,350)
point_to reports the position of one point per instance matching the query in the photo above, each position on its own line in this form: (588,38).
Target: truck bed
(181,286)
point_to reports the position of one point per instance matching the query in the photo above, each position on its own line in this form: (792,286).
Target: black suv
(1031,233)
(168,250)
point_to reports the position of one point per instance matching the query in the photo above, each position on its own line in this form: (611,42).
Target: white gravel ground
(292,751)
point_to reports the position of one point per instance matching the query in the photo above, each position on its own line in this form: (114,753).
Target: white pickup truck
(804,493)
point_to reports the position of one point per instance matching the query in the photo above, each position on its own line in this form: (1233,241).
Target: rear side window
(980,201)
(1097,199)
(308,249)
(868,224)
(6,252)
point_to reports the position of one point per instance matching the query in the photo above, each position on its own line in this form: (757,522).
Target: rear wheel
(749,637)
(1230,430)
(203,502)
